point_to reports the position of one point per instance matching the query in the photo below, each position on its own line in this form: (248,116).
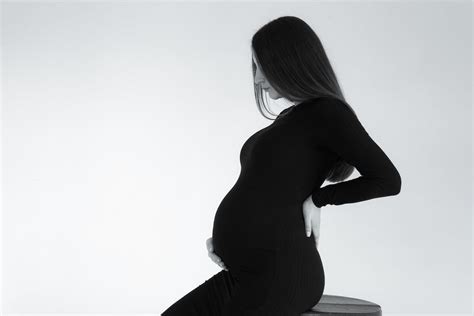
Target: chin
(273,96)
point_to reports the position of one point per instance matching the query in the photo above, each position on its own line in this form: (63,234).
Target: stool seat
(335,305)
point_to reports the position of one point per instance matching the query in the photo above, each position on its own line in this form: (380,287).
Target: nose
(259,79)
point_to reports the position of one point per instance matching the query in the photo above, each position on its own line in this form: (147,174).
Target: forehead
(253,56)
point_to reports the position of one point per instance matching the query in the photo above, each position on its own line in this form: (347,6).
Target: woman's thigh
(260,281)
(209,298)
(240,291)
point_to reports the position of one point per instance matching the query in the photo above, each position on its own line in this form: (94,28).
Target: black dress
(258,232)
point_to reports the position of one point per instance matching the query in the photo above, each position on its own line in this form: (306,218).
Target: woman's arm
(337,129)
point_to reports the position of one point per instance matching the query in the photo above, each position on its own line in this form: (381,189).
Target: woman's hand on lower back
(212,255)
(312,219)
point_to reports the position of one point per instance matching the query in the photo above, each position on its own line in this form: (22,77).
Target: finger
(307,225)
(214,257)
(219,261)
(209,245)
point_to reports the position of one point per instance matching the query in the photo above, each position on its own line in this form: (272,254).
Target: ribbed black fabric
(258,232)
(339,131)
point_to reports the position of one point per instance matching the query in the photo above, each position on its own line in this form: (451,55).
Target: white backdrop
(122,124)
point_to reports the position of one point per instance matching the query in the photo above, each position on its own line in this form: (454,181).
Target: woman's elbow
(396,183)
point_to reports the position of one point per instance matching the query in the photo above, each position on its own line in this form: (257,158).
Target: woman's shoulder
(324,106)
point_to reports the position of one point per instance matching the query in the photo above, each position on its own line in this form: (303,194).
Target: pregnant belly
(250,219)
(240,219)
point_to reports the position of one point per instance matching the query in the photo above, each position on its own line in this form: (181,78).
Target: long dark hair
(293,60)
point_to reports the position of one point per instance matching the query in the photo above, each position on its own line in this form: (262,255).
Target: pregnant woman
(270,266)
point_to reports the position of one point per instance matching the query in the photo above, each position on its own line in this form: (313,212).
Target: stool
(343,306)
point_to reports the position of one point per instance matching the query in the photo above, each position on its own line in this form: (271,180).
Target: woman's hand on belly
(312,219)
(212,255)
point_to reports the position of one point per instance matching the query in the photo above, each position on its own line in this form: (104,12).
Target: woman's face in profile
(260,79)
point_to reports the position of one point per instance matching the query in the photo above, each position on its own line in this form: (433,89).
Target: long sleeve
(337,129)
